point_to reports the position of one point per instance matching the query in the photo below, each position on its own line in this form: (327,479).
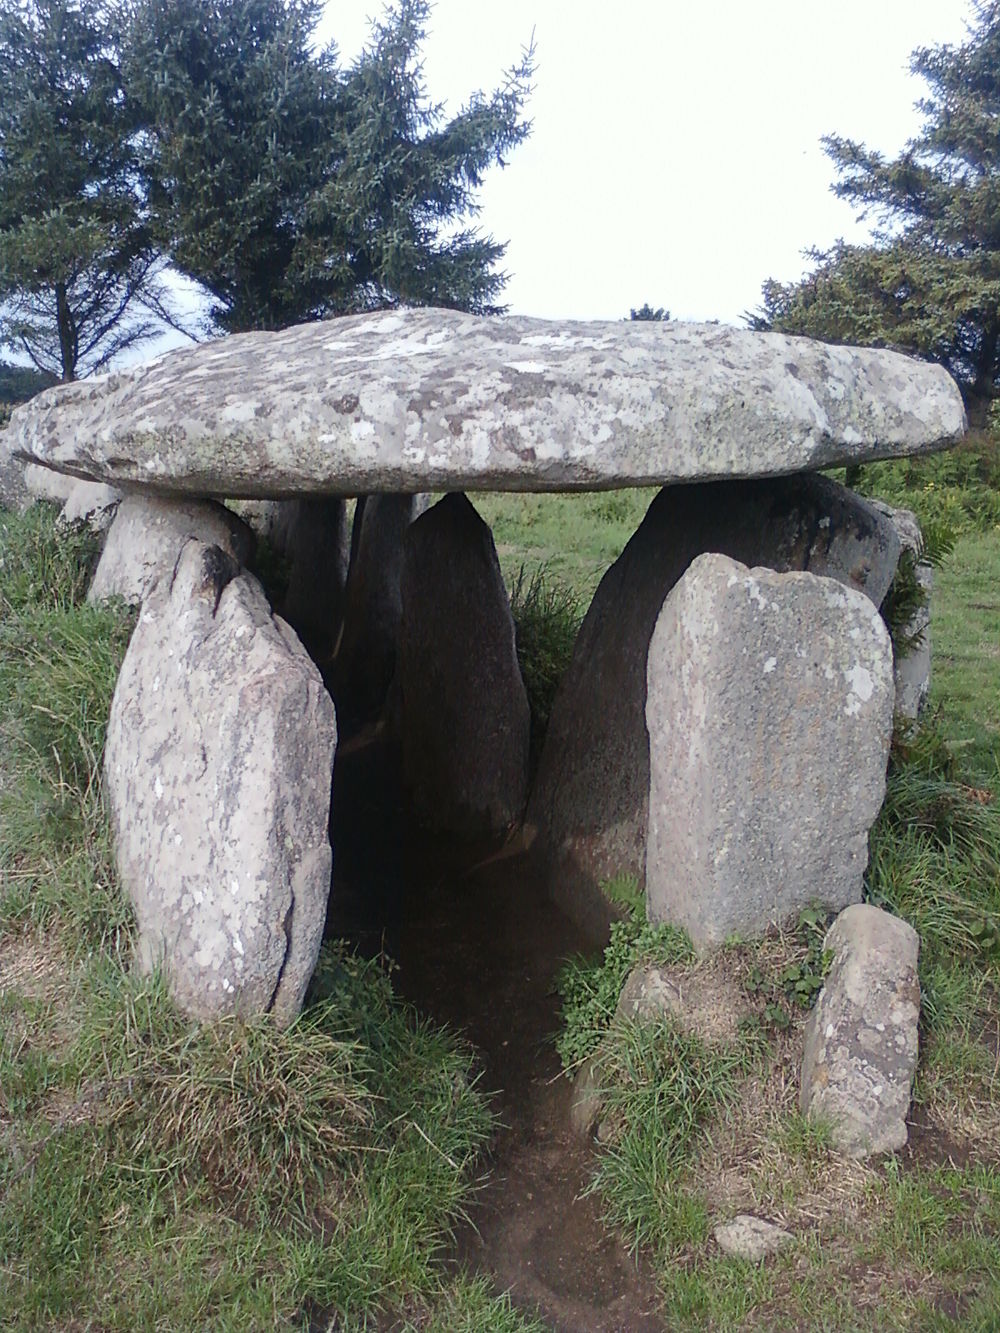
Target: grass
(574,537)
(141,1184)
(693,1132)
(154,1172)
(547,616)
(965,638)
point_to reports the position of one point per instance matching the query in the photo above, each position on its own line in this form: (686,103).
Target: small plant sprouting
(797,984)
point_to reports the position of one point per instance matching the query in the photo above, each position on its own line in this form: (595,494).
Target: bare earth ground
(478,945)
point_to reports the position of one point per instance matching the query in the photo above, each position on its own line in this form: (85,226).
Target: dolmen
(722,731)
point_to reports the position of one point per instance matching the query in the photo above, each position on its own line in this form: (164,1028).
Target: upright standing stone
(316,546)
(770,713)
(366,654)
(44,484)
(590,799)
(147,535)
(461,705)
(92,503)
(264,518)
(913,668)
(861,1041)
(218,761)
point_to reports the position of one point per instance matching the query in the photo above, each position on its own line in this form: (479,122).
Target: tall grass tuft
(934,859)
(660,1085)
(43,567)
(263,1115)
(59,661)
(547,618)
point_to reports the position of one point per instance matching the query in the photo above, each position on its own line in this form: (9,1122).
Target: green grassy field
(965,689)
(142,1187)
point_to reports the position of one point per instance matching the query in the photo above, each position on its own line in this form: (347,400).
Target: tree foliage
(648,312)
(931,280)
(76,261)
(292,189)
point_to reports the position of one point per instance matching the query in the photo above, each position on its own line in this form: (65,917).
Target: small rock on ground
(861,1041)
(747,1237)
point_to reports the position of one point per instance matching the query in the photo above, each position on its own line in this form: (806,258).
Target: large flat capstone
(415,400)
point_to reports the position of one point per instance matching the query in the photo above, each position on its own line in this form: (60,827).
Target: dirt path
(479,950)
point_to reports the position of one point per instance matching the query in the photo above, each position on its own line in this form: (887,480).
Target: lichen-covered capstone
(590,800)
(769,709)
(419,400)
(218,763)
(146,537)
(861,1041)
(460,705)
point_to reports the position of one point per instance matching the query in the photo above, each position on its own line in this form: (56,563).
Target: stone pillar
(219,753)
(769,710)
(590,801)
(315,543)
(460,704)
(365,656)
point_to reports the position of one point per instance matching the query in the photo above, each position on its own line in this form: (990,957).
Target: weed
(799,979)
(959,489)
(907,596)
(627,892)
(590,988)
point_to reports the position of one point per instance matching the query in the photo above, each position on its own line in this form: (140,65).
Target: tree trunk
(68,342)
(982,392)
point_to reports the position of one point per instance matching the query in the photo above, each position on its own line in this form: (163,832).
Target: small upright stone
(44,484)
(702,1000)
(147,535)
(913,668)
(366,653)
(861,1040)
(92,503)
(461,705)
(751,1238)
(769,711)
(218,760)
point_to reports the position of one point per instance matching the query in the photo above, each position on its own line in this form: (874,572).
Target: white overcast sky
(675,153)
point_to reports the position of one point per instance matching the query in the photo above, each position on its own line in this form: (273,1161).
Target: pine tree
(291,189)
(931,281)
(76,261)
